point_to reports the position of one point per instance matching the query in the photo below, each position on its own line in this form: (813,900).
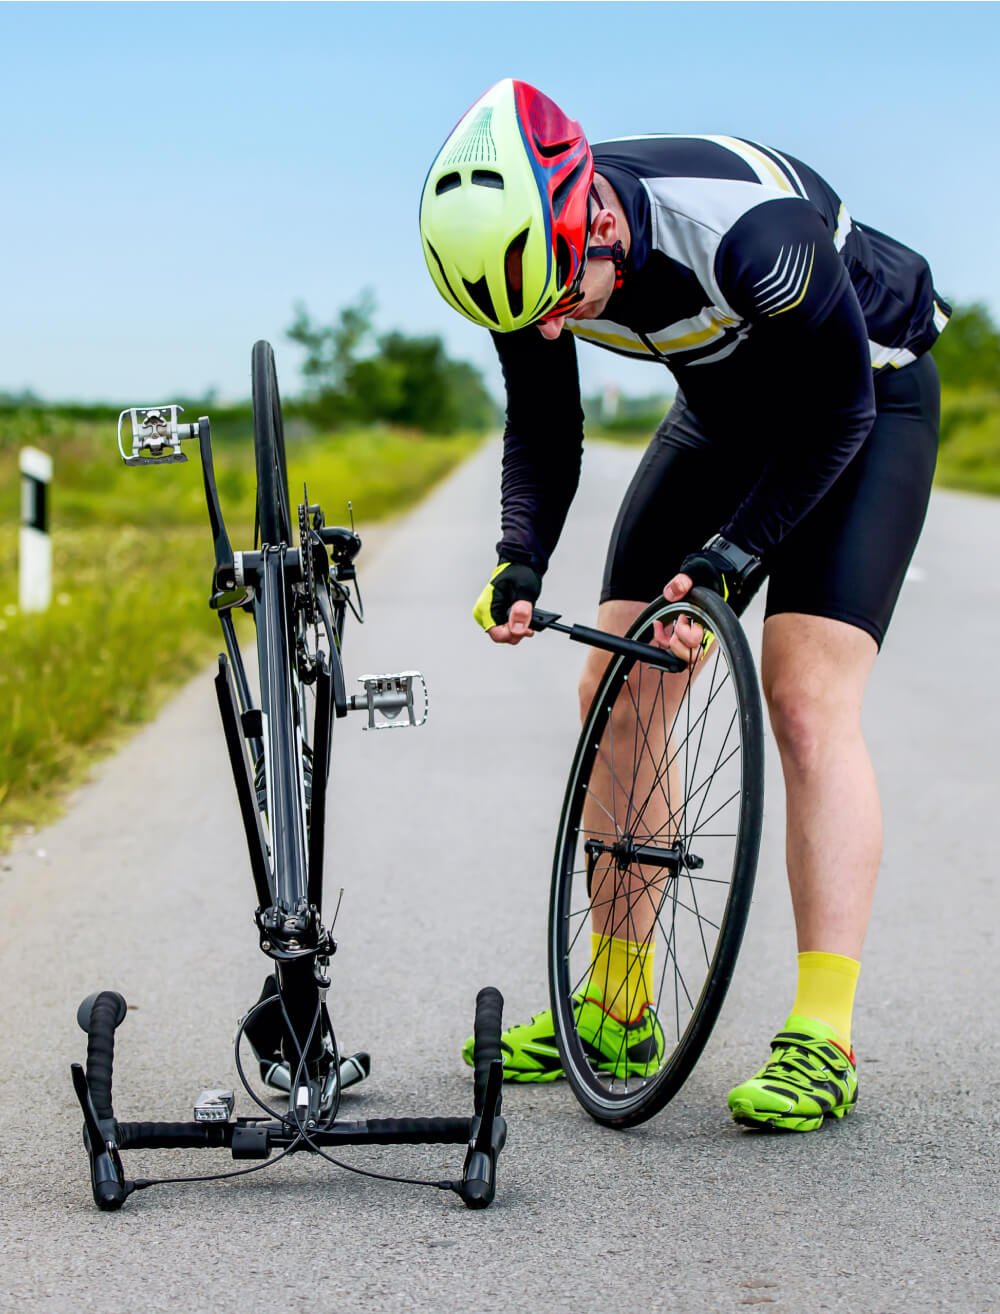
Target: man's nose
(551,328)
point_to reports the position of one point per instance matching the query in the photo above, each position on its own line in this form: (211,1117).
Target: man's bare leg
(814,671)
(628,776)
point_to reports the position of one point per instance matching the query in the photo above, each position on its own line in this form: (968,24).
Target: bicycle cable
(304,1134)
(140,1184)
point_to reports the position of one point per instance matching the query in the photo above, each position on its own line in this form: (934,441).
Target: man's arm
(779,268)
(543,440)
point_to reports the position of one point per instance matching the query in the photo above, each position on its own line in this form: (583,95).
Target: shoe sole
(746,1115)
(556,1074)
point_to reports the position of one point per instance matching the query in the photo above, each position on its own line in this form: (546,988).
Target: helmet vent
(476,143)
(487,178)
(566,188)
(448,183)
(480,294)
(514,273)
(550,149)
(564,261)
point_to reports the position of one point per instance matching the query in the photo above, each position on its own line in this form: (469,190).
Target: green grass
(970,441)
(132,561)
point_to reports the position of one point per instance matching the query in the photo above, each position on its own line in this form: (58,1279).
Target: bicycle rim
(657,846)
(274,522)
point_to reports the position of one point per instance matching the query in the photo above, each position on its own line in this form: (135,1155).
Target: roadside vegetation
(132,559)
(968,359)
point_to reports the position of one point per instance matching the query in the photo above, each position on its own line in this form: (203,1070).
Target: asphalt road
(442,843)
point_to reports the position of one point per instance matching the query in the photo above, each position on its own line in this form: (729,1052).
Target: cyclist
(800,448)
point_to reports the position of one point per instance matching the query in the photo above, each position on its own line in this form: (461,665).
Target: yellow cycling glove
(511,581)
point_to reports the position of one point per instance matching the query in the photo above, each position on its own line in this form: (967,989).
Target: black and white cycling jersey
(773,309)
(728,234)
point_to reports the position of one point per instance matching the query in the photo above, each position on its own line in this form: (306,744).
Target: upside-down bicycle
(297,584)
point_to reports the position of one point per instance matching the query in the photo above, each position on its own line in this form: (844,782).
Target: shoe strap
(799,1064)
(819,1050)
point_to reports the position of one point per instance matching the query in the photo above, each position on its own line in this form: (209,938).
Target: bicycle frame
(270,754)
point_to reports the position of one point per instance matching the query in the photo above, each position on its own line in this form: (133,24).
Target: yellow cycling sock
(826,990)
(622,973)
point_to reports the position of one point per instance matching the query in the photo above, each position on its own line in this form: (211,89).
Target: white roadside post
(36,543)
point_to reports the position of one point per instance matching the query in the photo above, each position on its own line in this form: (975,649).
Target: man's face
(597,285)
(598,280)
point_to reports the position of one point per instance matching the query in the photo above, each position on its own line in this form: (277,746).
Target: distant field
(132,570)
(969,456)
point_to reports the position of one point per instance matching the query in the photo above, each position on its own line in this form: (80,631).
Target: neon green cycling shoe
(619,1049)
(808,1077)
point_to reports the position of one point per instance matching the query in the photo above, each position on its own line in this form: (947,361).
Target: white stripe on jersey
(940,318)
(786,165)
(772,284)
(881,356)
(690,217)
(767,170)
(843,227)
(724,352)
(684,335)
(788,294)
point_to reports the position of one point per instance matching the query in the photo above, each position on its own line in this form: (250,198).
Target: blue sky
(178,175)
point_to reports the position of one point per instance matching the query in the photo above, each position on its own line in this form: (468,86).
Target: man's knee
(814,673)
(613,617)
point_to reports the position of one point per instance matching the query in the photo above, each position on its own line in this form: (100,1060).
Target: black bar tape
(408,1131)
(173,1135)
(486,1048)
(101,1051)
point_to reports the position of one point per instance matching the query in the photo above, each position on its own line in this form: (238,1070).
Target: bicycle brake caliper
(385,696)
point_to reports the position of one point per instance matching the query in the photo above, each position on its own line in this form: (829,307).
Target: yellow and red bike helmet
(504,211)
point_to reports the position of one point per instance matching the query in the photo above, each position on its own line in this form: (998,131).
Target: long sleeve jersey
(772,308)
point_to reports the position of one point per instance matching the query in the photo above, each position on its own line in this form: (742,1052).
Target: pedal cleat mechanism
(157,435)
(386,696)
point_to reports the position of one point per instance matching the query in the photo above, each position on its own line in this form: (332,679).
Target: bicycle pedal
(387,696)
(157,435)
(214,1106)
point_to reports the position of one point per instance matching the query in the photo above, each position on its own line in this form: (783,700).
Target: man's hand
(682,637)
(721,566)
(504,607)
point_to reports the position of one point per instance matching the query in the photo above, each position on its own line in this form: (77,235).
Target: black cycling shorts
(846,559)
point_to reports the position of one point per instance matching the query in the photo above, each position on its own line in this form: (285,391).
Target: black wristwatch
(744,563)
(730,570)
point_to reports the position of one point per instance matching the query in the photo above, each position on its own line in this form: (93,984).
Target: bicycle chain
(309,608)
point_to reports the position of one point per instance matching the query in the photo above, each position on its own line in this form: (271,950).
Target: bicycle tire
(284,784)
(273,515)
(614,1089)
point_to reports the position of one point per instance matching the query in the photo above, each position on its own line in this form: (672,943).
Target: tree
(401,380)
(968,351)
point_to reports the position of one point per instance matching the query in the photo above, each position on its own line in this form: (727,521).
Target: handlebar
(104,1137)
(99,1015)
(489,1131)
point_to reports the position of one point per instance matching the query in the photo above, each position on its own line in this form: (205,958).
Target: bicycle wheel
(657,847)
(273,517)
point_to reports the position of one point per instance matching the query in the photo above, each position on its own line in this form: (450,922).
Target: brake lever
(107,1176)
